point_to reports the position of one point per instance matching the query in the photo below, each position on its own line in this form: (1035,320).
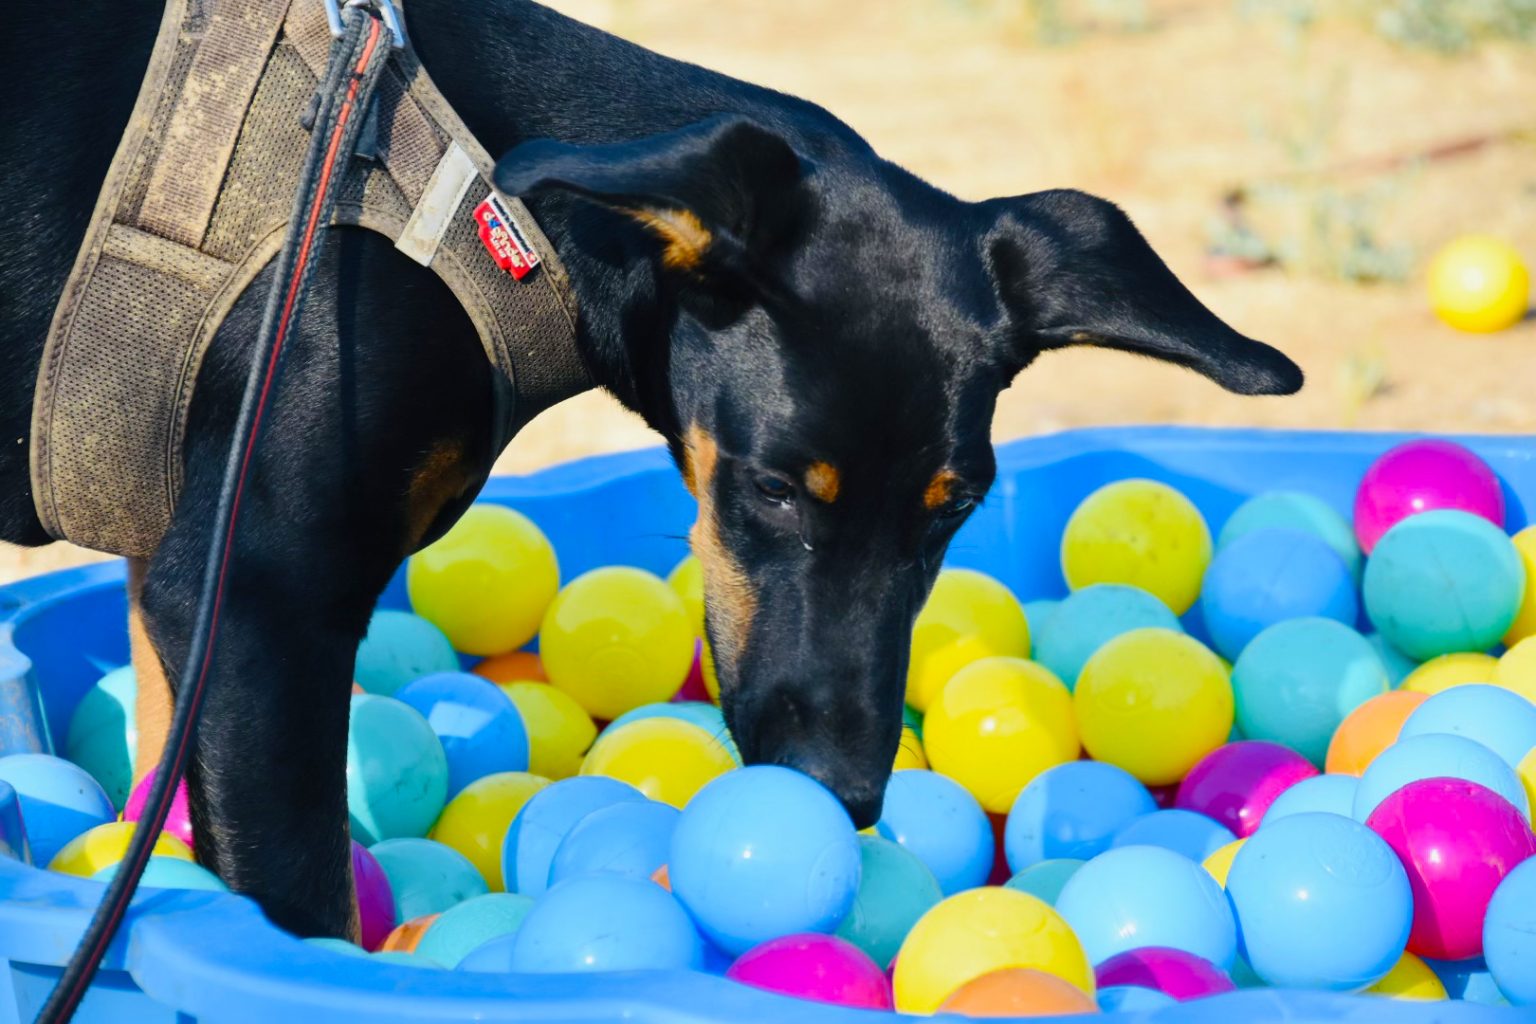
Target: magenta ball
(375,899)
(1458,840)
(178,823)
(1170,971)
(1421,476)
(823,968)
(1235,784)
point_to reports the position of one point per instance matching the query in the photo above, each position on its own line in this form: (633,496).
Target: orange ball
(1369,729)
(512,667)
(662,877)
(1018,992)
(407,936)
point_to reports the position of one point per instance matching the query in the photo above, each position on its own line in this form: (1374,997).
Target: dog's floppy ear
(1072,269)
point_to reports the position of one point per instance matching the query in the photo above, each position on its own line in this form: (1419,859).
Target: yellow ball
(911,753)
(707,670)
(617,638)
(1525,620)
(1527,773)
(1153,702)
(1142,533)
(979,931)
(475,822)
(667,759)
(1219,863)
(997,724)
(1516,670)
(968,616)
(1450,670)
(106,845)
(1409,978)
(687,580)
(559,730)
(487,581)
(1479,283)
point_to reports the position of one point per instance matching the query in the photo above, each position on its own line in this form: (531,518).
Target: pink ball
(1458,840)
(1235,784)
(1421,476)
(178,823)
(1171,971)
(375,899)
(693,687)
(822,968)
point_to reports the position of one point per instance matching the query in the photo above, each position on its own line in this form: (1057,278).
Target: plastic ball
(1293,510)
(980,931)
(632,838)
(1153,702)
(1133,999)
(1525,620)
(1045,879)
(1333,794)
(1236,784)
(512,667)
(910,752)
(1479,284)
(667,759)
(1509,934)
(104,845)
(820,968)
(1091,617)
(462,928)
(1322,902)
(169,873)
(695,687)
(1398,665)
(1173,972)
(895,889)
(1443,581)
(1192,835)
(406,935)
(606,922)
(1298,680)
(58,801)
(1468,981)
(997,724)
(703,714)
(1409,978)
(545,819)
(102,734)
(1457,840)
(376,913)
(426,876)
(1499,719)
(968,616)
(479,729)
(1218,863)
(178,822)
(1072,811)
(1437,755)
(397,773)
(616,638)
(494,956)
(1424,476)
(1516,670)
(1148,896)
(687,580)
(335,945)
(1448,670)
(560,732)
(475,823)
(1037,613)
(938,819)
(1271,576)
(487,581)
(1368,730)
(1142,533)
(1018,992)
(400,647)
(762,852)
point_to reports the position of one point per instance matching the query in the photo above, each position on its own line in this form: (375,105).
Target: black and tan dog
(819,336)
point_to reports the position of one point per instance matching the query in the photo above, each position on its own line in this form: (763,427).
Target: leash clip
(384,10)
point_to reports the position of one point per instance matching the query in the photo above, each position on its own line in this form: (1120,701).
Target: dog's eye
(775,489)
(956,507)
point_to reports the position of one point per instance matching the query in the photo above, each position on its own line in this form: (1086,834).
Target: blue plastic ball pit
(211,958)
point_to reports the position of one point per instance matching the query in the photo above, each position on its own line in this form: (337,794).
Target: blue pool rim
(208,957)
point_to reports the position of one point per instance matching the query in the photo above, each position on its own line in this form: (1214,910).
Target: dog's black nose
(864,810)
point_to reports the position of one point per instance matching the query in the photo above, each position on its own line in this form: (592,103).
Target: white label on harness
(502,239)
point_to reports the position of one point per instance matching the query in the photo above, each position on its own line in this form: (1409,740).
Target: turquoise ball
(397,773)
(426,876)
(895,889)
(102,733)
(170,873)
(1398,665)
(1045,879)
(463,928)
(398,648)
(1091,617)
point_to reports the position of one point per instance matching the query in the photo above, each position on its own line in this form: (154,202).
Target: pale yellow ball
(1141,533)
(1450,670)
(968,616)
(1479,284)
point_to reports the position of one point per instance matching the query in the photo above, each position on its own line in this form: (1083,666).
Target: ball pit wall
(205,957)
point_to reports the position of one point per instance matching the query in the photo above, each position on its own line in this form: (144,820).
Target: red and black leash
(358,56)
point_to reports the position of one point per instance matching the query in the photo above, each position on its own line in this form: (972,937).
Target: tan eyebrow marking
(686,237)
(823,481)
(940,488)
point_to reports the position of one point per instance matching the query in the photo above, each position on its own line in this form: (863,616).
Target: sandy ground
(1343,140)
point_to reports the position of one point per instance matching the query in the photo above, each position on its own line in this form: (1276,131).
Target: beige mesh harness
(196,204)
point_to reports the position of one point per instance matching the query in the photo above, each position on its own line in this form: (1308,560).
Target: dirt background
(1358,151)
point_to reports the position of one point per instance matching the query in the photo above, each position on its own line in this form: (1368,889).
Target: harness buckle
(384,10)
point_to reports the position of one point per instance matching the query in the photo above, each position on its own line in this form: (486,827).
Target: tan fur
(153,706)
(440,479)
(823,481)
(727,591)
(940,488)
(686,237)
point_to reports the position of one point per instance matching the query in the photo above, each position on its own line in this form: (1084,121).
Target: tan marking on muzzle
(940,488)
(823,481)
(685,236)
(728,594)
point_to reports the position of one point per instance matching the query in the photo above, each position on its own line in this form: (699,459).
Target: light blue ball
(1443,581)
(895,889)
(1298,679)
(479,728)
(102,734)
(1072,810)
(695,712)
(1509,934)
(1499,719)
(59,801)
(13,834)
(1137,896)
(1332,794)
(1436,755)
(397,773)
(467,926)
(1398,665)
(1189,833)
(1038,614)
(170,873)
(1269,576)
(398,648)
(937,819)
(494,956)
(1322,902)
(341,946)
(1045,879)
(1132,999)
(1294,510)
(535,834)
(1469,981)
(1091,617)
(426,876)
(764,851)
(632,838)
(606,923)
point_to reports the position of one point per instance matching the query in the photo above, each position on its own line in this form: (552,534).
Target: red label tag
(499,234)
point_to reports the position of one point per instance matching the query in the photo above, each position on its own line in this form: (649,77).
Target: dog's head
(822,338)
